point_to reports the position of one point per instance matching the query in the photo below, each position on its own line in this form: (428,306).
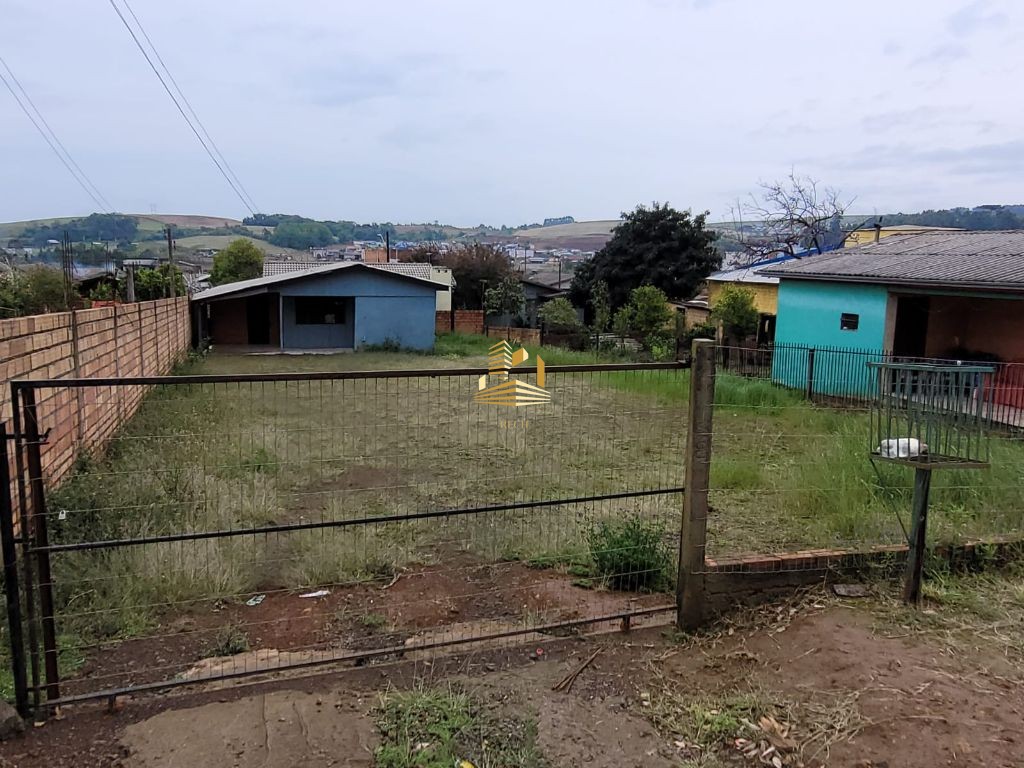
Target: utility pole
(170,261)
(387,247)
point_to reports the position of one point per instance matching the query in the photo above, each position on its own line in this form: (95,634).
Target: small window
(848,322)
(319,310)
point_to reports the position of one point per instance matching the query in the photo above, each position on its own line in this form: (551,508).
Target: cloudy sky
(466,111)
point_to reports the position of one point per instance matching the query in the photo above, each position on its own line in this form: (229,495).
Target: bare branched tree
(791,216)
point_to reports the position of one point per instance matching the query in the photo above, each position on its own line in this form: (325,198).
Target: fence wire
(792,470)
(239,525)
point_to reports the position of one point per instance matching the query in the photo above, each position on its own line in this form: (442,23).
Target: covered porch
(975,328)
(271,321)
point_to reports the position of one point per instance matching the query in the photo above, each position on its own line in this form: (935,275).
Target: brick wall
(466,321)
(518,335)
(145,338)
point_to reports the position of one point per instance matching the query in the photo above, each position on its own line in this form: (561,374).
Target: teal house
(948,294)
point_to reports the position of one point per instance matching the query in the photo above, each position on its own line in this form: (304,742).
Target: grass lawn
(237,456)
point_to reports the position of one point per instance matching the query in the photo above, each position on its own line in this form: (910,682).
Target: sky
(463,112)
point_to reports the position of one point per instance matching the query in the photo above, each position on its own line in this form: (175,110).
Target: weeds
(630,554)
(421,728)
(440,727)
(231,639)
(373,621)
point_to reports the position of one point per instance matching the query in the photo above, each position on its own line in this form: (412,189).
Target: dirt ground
(848,684)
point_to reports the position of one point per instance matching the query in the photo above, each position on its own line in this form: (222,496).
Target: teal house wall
(810,314)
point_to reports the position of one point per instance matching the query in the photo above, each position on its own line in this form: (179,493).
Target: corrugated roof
(421,270)
(982,259)
(259,283)
(751,273)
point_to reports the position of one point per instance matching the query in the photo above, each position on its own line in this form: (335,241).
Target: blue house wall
(383,308)
(810,317)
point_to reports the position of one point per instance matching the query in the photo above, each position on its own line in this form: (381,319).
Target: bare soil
(913,701)
(461,598)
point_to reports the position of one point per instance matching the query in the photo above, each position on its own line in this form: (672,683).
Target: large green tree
(474,269)
(241,260)
(660,246)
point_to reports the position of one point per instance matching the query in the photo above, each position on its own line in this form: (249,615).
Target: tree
(421,254)
(601,304)
(791,215)
(153,284)
(649,311)
(33,291)
(475,268)
(660,246)
(241,260)
(736,312)
(302,235)
(559,315)
(505,298)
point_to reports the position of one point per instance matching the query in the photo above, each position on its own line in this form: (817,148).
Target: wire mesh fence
(795,469)
(843,376)
(242,524)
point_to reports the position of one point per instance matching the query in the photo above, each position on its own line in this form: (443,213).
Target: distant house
(537,294)
(765,289)
(867,235)
(440,275)
(346,305)
(945,294)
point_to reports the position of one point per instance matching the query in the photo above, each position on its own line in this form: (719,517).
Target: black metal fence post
(810,374)
(41,543)
(11,584)
(26,541)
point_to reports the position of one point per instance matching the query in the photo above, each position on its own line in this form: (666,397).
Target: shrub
(662,345)
(629,554)
(736,312)
(559,315)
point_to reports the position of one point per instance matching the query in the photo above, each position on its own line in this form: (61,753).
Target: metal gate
(174,530)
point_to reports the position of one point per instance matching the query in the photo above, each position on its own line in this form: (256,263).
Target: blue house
(344,305)
(945,294)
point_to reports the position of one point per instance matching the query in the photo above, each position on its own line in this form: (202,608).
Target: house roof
(752,273)
(259,284)
(908,228)
(412,269)
(962,259)
(538,284)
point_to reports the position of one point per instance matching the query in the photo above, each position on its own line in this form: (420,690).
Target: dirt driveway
(831,682)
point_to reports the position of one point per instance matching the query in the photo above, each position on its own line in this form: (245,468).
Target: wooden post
(692,542)
(918,531)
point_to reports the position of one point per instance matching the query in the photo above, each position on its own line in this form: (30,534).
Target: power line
(69,162)
(163,82)
(191,109)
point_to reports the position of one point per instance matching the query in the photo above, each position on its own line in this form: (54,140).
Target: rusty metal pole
(42,541)
(11,584)
(693,539)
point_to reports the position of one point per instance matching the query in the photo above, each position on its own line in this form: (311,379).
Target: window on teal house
(849,321)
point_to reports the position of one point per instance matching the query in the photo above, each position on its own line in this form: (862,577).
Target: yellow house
(764,288)
(867,234)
